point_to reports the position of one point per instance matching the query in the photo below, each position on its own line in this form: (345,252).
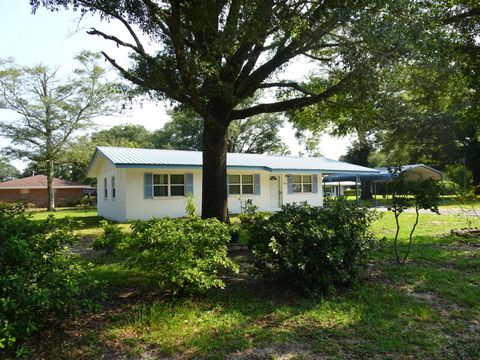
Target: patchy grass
(448,203)
(88,222)
(428,308)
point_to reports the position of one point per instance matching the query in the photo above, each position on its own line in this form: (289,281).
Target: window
(302,183)
(240,184)
(113,188)
(24,194)
(168,185)
(105,188)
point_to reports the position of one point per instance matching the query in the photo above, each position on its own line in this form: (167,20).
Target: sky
(54,39)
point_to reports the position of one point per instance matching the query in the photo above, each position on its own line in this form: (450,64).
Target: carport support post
(356,190)
(386,191)
(375,192)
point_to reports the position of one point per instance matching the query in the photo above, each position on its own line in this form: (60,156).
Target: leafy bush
(315,249)
(191,206)
(88,201)
(248,212)
(110,239)
(187,254)
(37,275)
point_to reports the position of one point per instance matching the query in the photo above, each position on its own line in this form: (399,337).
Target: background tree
(126,135)
(51,111)
(7,170)
(421,194)
(257,135)
(423,108)
(79,151)
(360,153)
(211,56)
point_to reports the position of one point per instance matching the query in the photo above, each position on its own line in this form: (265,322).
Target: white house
(145,183)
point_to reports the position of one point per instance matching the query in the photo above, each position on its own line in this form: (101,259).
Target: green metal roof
(155,158)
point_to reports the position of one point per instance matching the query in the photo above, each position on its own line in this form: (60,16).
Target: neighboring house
(145,183)
(33,190)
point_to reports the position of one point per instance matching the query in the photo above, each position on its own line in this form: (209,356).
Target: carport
(410,172)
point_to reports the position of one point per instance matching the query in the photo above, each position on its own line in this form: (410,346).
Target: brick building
(33,190)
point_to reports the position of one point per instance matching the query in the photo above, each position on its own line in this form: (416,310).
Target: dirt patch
(83,247)
(288,351)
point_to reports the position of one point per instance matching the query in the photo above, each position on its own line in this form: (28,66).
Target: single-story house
(33,190)
(145,183)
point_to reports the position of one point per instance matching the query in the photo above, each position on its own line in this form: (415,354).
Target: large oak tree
(212,55)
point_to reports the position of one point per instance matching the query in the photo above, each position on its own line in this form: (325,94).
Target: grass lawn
(448,202)
(428,308)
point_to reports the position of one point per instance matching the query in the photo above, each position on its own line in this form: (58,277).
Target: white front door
(274,192)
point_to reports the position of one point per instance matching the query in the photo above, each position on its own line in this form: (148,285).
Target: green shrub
(191,206)
(187,254)
(110,239)
(248,212)
(37,276)
(314,249)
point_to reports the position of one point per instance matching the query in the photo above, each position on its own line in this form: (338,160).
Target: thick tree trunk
(472,162)
(366,190)
(476,178)
(214,184)
(50,190)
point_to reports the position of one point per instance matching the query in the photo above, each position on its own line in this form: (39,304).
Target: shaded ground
(427,309)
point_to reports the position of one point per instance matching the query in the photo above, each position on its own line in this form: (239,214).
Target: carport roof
(412,172)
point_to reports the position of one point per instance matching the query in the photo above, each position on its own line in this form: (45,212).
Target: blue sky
(53,38)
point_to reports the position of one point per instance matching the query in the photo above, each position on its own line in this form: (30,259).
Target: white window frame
(168,185)
(105,188)
(302,183)
(114,190)
(241,183)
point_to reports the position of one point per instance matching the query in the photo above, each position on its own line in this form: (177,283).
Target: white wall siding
(130,203)
(109,208)
(314,199)
(236,201)
(140,208)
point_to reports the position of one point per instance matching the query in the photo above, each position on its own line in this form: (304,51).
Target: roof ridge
(233,153)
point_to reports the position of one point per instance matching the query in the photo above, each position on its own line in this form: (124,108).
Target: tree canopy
(7,170)
(422,108)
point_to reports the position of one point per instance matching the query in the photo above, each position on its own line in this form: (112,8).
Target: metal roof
(412,172)
(155,158)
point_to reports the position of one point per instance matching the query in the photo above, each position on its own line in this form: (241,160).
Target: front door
(274,192)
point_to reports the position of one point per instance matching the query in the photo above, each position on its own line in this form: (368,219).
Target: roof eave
(245,167)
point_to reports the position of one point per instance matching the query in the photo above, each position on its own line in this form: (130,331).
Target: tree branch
(125,73)
(94,31)
(139,46)
(291,104)
(291,85)
(317,57)
(462,16)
